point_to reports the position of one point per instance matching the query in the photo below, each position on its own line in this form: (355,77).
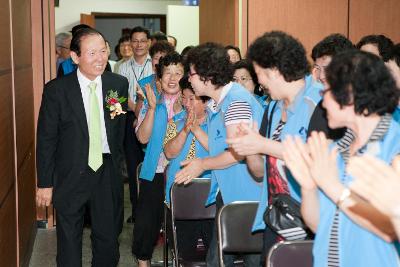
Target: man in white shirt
(80,151)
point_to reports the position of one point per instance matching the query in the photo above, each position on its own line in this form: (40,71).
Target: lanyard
(141,73)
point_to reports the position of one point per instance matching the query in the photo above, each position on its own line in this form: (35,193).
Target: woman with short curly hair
(348,231)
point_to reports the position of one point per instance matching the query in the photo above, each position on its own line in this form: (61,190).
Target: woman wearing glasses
(247,77)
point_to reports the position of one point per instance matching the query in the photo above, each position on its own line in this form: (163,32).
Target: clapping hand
(322,161)
(151,97)
(376,182)
(247,140)
(191,169)
(139,93)
(297,159)
(189,120)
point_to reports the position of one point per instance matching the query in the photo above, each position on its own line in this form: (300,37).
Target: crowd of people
(324,134)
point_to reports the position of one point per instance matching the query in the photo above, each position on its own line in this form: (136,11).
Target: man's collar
(84,81)
(148,58)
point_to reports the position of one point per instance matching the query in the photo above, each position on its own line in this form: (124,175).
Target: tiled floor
(45,247)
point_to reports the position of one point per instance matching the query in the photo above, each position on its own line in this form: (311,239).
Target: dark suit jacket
(63,138)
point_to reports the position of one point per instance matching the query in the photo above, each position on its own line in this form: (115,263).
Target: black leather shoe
(130,219)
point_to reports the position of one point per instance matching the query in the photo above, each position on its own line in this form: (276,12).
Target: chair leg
(165,238)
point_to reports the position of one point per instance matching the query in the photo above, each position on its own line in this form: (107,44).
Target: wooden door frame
(162,17)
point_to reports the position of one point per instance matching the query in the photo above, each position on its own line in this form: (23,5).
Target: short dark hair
(159,36)
(362,79)
(77,39)
(172,58)
(331,45)
(78,27)
(176,41)
(140,29)
(124,38)
(161,46)
(185,84)
(211,63)
(395,54)
(229,47)
(246,64)
(280,50)
(186,50)
(383,43)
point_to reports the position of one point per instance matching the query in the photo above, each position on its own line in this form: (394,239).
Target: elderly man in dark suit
(80,151)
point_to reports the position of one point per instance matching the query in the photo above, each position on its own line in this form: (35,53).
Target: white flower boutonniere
(113,103)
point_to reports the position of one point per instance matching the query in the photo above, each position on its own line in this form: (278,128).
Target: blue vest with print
(357,246)
(175,164)
(298,119)
(235,182)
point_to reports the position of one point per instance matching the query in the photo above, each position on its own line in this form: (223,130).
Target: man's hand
(44,196)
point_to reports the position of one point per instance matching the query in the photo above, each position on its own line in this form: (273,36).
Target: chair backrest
(291,253)
(235,222)
(187,201)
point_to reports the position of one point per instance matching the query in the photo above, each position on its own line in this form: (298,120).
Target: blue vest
(175,163)
(357,246)
(396,114)
(235,182)
(155,145)
(68,66)
(298,119)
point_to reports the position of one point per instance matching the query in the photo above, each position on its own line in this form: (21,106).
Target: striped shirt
(237,112)
(276,136)
(344,149)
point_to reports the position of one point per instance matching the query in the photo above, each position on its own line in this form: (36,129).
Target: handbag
(283,214)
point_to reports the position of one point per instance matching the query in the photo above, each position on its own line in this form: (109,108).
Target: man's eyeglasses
(242,79)
(191,74)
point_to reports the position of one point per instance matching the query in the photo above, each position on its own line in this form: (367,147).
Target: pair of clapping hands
(314,164)
(192,122)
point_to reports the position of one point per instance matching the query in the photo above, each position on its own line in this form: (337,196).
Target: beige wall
(183,24)
(68,13)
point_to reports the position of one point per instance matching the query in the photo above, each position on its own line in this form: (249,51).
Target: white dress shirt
(84,84)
